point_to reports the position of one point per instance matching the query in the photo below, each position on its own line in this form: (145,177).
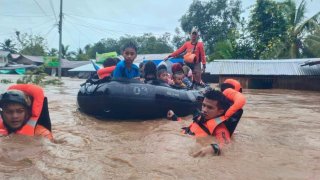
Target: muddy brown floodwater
(278,137)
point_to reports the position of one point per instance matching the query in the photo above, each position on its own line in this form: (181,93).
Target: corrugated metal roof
(72,64)
(142,57)
(38,59)
(290,67)
(4,53)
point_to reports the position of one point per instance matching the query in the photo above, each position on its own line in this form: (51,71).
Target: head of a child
(150,71)
(110,62)
(177,78)
(214,104)
(129,52)
(162,73)
(16,109)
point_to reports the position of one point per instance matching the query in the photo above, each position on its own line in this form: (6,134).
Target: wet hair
(117,60)
(223,102)
(177,68)
(150,68)
(225,86)
(141,65)
(110,62)
(129,44)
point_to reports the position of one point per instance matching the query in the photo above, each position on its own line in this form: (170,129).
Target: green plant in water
(39,77)
(5,81)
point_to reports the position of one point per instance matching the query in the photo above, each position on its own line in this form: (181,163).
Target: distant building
(38,61)
(4,58)
(265,74)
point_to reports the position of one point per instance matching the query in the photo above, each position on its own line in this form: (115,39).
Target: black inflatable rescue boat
(131,99)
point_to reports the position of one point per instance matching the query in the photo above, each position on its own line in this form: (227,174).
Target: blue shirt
(121,71)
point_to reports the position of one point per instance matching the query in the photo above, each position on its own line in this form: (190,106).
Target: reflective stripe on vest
(210,125)
(28,129)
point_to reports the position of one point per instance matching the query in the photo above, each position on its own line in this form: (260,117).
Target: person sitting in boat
(24,111)
(209,122)
(108,67)
(232,90)
(162,76)
(126,68)
(150,72)
(187,80)
(178,76)
(141,70)
(177,79)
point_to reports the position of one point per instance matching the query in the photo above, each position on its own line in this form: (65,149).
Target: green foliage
(216,20)
(223,50)
(5,81)
(267,23)
(178,39)
(33,45)
(278,29)
(312,45)
(7,45)
(38,77)
(147,44)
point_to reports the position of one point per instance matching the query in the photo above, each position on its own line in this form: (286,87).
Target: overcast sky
(88,21)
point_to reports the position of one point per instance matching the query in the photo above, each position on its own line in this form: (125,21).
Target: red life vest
(37,94)
(204,129)
(104,72)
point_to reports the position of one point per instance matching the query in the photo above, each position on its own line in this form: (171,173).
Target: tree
(267,25)
(215,20)
(53,52)
(81,56)
(312,45)
(149,44)
(33,45)
(178,39)
(66,54)
(279,29)
(7,45)
(299,28)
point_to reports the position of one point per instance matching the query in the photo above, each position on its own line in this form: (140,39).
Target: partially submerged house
(265,74)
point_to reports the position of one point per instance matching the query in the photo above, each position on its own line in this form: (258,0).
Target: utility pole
(60,40)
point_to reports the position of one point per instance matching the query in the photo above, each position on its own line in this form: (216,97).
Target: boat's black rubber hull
(135,100)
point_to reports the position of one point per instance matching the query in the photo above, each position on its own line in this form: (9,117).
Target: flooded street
(278,137)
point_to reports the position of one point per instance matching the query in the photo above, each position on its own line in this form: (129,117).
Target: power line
(115,21)
(105,29)
(35,1)
(54,13)
(74,26)
(23,16)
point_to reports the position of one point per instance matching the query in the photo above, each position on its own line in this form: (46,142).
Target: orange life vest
(204,129)
(236,98)
(235,83)
(38,97)
(104,72)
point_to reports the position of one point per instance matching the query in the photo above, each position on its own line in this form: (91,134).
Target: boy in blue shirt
(126,68)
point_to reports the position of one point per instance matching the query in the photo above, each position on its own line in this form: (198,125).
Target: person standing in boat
(195,55)
(126,68)
(24,111)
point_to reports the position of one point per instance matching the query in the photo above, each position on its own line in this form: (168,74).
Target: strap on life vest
(200,129)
